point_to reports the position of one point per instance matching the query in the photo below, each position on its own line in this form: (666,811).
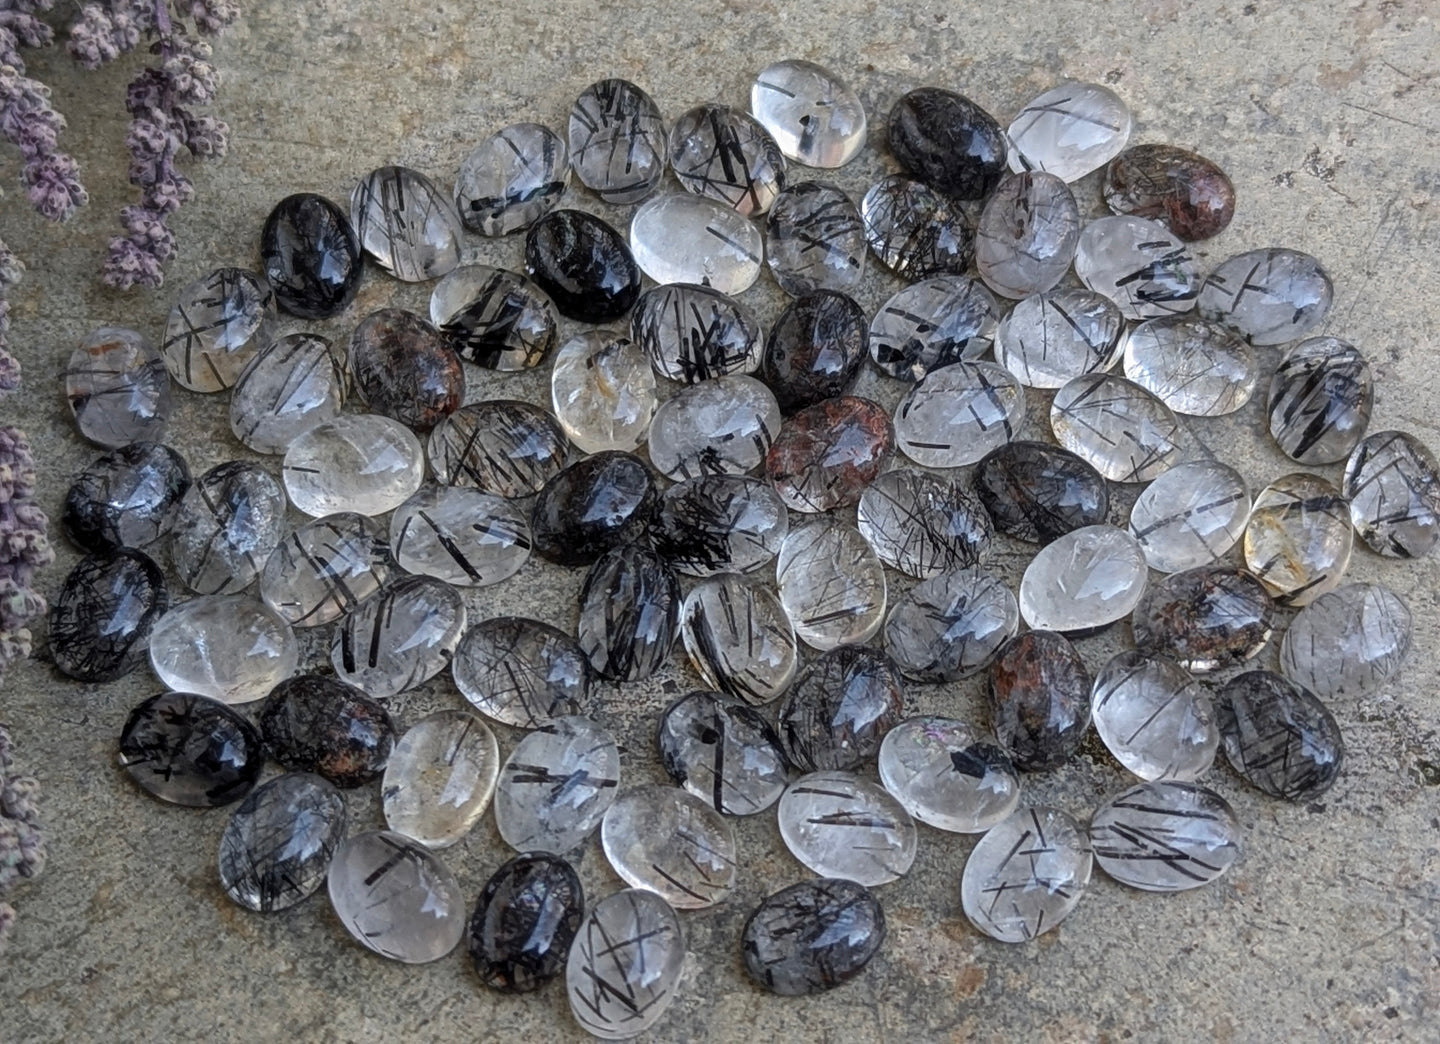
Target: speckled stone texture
(1323,930)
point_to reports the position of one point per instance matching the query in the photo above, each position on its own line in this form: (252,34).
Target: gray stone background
(1326,115)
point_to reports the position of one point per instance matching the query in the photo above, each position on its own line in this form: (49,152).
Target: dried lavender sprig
(22,844)
(24,548)
(10,270)
(51,177)
(162,124)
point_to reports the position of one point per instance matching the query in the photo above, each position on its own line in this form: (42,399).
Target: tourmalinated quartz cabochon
(294,383)
(556,786)
(190,750)
(1026,236)
(1139,265)
(1298,538)
(1268,296)
(935,322)
(521,672)
(405,369)
(460,535)
(722,426)
(226,527)
(738,637)
(524,922)
(720,523)
(511,179)
(814,118)
(276,847)
(914,231)
(1350,641)
(812,936)
(1190,516)
(216,326)
(947,141)
(826,454)
(625,965)
(814,239)
(617,141)
(629,613)
(1156,719)
(1320,400)
(602,501)
(922,524)
(1026,875)
(672,843)
(1036,492)
(310,257)
(1069,131)
(396,897)
(693,333)
(958,413)
(1083,581)
(363,463)
(728,155)
(101,621)
(315,723)
(948,777)
(1121,429)
(1047,339)
(1187,193)
(680,238)
(1165,836)
(583,264)
(603,392)
(950,626)
(406,224)
(401,636)
(1039,698)
(1205,619)
(840,825)
(440,778)
(1393,483)
(1279,736)
(1192,365)
(118,388)
(499,446)
(325,568)
(831,584)
(835,716)
(229,647)
(494,318)
(815,349)
(723,752)
(127,498)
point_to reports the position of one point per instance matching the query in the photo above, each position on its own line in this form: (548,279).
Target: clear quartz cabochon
(1048,339)
(814,118)
(440,777)
(396,897)
(831,584)
(1084,580)
(118,388)
(682,238)
(1069,131)
(1190,516)
(674,844)
(840,825)
(948,777)
(1026,875)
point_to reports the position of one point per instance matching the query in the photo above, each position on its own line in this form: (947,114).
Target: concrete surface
(1326,115)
